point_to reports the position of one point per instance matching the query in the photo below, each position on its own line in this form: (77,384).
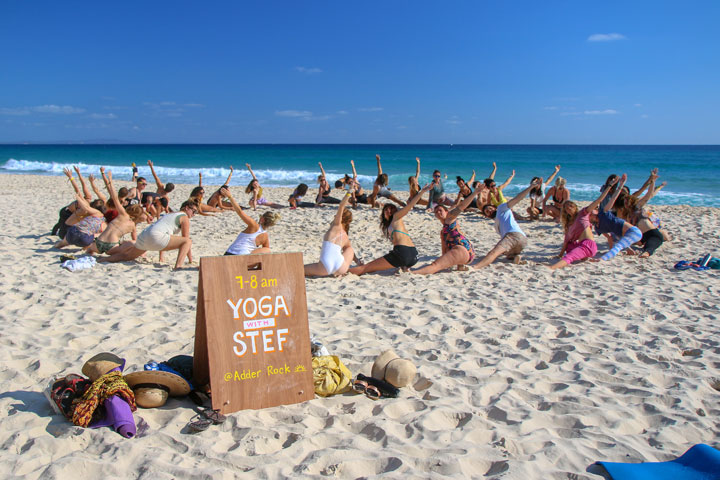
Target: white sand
(534,375)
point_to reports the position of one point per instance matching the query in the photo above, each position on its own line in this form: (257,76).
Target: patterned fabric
(103,388)
(452,237)
(90,225)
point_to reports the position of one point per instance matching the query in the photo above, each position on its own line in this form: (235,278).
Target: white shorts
(152,241)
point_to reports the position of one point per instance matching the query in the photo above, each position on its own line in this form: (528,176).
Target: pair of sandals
(373,388)
(204,419)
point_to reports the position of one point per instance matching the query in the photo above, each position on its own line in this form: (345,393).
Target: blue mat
(701,462)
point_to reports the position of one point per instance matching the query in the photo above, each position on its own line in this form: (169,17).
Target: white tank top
(168,224)
(244,244)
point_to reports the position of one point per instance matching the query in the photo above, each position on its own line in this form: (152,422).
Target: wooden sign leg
(201,364)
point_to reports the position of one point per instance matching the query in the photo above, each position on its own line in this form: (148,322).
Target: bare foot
(644,255)
(462,268)
(517,260)
(630,251)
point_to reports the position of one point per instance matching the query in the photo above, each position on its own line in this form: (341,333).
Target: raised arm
(85,190)
(602,196)
(552,177)
(494,171)
(322,170)
(107,178)
(379,165)
(412,202)
(507,182)
(352,164)
(453,214)
(653,173)
(417,169)
(657,189)
(85,208)
(249,221)
(159,184)
(516,199)
(199,179)
(650,193)
(472,179)
(227,182)
(68,173)
(609,205)
(341,208)
(95,189)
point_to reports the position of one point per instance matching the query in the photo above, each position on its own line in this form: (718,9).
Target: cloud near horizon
(606,37)
(607,111)
(370,109)
(54,109)
(308,70)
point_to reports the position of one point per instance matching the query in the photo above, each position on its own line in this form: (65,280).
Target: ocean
(691,172)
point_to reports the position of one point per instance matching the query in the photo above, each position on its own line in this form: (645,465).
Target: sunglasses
(370,391)
(436,176)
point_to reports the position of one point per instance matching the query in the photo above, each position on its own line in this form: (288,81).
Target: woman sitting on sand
(356,190)
(630,208)
(256,192)
(404,253)
(465,191)
(60,228)
(619,233)
(337,253)
(324,189)
(124,222)
(255,238)
(559,195)
(380,187)
(537,194)
(579,242)
(295,199)
(196,196)
(495,193)
(85,224)
(414,183)
(160,237)
(456,248)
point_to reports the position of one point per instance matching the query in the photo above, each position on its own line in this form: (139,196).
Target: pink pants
(578,250)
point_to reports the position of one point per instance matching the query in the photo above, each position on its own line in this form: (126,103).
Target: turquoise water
(691,171)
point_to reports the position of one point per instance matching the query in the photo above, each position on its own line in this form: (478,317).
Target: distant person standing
(134,172)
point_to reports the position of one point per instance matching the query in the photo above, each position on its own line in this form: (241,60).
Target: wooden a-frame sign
(252,341)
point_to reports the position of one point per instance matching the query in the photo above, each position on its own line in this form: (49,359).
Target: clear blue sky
(630,72)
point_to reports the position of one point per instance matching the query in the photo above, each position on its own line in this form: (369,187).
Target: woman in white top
(537,195)
(254,239)
(337,253)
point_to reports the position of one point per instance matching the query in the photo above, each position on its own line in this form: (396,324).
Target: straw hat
(101,364)
(152,387)
(393,369)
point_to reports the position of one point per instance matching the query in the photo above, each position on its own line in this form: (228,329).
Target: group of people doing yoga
(98,226)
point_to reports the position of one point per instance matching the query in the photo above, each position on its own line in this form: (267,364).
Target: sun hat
(378,368)
(400,372)
(152,387)
(101,364)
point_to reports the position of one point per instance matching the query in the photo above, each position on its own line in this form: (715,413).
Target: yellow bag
(330,376)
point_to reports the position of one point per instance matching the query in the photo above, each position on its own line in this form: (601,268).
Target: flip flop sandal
(68,256)
(214,416)
(198,424)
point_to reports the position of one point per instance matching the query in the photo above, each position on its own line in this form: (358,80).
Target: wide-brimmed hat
(152,387)
(378,368)
(397,371)
(101,364)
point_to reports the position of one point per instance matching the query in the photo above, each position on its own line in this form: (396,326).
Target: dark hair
(476,183)
(141,179)
(535,190)
(169,187)
(189,203)
(346,220)
(196,191)
(488,182)
(301,189)
(164,202)
(436,171)
(338,183)
(459,179)
(123,192)
(98,205)
(385,222)
(382,179)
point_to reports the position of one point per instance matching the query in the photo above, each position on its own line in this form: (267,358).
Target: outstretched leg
(457,255)
(183,245)
(123,253)
(315,270)
(375,266)
(491,256)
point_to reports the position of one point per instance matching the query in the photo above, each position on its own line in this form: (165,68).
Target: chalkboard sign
(252,341)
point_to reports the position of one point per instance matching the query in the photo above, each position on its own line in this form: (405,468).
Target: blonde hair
(346,219)
(566,218)
(269,219)
(560,182)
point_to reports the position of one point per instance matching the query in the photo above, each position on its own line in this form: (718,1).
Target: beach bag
(330,376)
(62,393)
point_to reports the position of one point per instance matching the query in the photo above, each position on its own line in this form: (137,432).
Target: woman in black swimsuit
(559,195)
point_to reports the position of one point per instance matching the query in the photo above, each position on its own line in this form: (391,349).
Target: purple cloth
(117,414)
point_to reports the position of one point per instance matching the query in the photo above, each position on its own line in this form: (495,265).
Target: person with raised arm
(324,189)
(255,238)
(125,221)
(404,254)
(163,189)
(437,194)
(456,248)
(537,194)
(253,189)
(380,187)
(85,224)
(559,194)
(512,239)
(631,210)
(196,196)
(337,253)
(60,228)
(495,195)
(465,190)
(161,237)
(216,200)
(579,243)
(414,183)
(619,233)
(358,193)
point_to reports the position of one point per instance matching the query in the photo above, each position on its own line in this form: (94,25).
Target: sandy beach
(522,373)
